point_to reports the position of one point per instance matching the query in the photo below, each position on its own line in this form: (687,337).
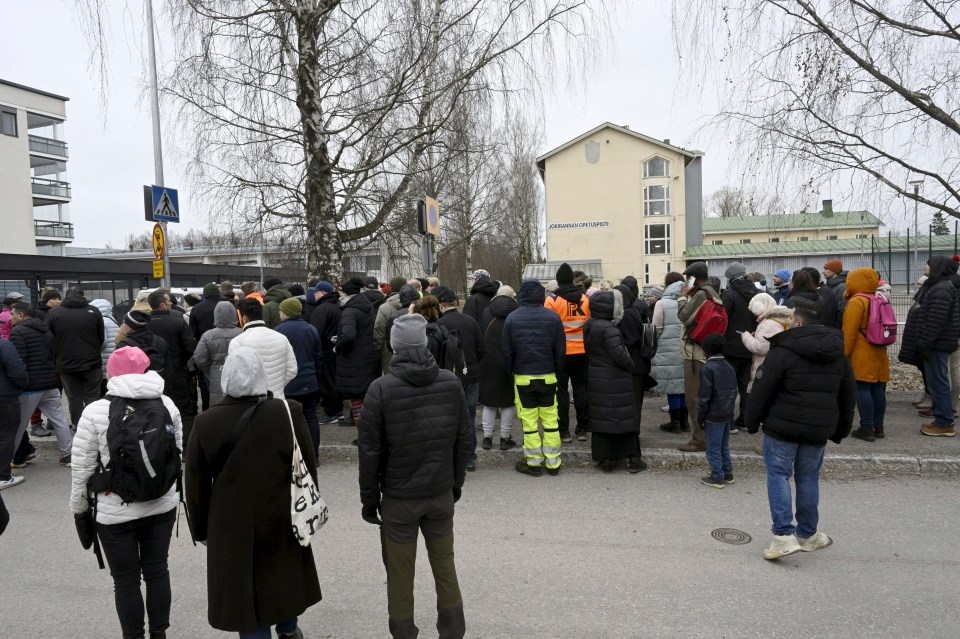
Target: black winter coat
(609,371)
(827,311)
(414,436)
(939,319)
(804,392)
(153,346)
(631,327)
(358,363)
(34,344)
(376,298)
(171,328)
(736,300)
(201,316)
(13,373)
(482,293)
(77,329)
(533,339)
(471,341)
(255,566)
(326,319)
(718,391)
(910,342)
(496,383)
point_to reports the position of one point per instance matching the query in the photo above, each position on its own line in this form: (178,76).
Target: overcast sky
(111,154)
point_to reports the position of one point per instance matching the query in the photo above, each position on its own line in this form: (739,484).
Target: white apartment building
(34,190)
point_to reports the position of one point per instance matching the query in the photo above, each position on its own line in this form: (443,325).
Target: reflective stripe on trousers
(536,400)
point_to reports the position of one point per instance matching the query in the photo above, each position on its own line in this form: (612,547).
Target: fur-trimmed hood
(778,314)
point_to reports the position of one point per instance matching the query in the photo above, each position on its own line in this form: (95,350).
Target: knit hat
(445,295)
(507,291)
(408,331)
(698,270)
(127,360)
(325,287)
(371,282)
(211,291)
(352,286)
(564,274)
(834,265)
(783,274)
(50,295)
(713,344)
(291,307)
(136,319)
(656,292)
(477,274)
(735,270)
(396,283)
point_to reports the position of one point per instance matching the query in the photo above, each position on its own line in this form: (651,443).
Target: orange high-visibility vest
(574,316)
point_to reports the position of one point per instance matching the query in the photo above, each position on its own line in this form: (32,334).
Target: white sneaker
(815,542)
(665,409)
(781,546)
(13,481)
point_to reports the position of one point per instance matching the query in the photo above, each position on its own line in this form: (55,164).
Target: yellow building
(624,199)
(791,227)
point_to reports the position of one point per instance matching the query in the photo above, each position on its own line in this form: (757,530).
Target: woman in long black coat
(258,574)
(358,362)
(496,382)
(613,416)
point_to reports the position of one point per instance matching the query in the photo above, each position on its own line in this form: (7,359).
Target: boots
(683,417)
(673,426)
(924,402)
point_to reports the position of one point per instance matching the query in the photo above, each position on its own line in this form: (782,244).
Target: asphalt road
(580,555)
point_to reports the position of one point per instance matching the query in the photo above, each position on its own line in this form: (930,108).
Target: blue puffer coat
(305,341)
(533,340)
(667,365)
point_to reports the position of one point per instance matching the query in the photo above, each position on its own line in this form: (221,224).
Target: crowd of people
(408,364)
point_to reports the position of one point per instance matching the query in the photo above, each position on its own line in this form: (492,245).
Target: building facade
(623,199)
(791,227)
(34,190)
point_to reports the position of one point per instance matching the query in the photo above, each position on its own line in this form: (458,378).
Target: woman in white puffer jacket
(135,537)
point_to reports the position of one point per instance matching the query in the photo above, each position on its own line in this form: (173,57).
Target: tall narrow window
(656,238)
(8,123)
(656,200)
(646,273)
(656,167)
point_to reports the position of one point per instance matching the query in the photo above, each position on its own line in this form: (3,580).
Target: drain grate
(731,536)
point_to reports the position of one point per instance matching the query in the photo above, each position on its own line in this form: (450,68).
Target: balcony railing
(48,146)
(56,188)
(44,228)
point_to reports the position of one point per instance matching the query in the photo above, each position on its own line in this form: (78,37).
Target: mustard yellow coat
(869,361)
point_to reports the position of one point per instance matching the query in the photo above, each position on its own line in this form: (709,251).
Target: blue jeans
(784,459)
(718,449)
(283,628)
(472,394)
(936,364)
(872,404)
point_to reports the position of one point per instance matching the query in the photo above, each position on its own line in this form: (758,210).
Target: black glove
(369,514)
(456,494)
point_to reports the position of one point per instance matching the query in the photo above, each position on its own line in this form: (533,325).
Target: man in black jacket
(34,343)
(414,444)
(736,300)
(169,325)
(48,301)
(939,331)
(77,329)
(804,393)
(471,341)
(325,317)
(481,293)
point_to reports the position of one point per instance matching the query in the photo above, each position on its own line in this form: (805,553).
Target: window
(668,268)
(657,239)
(774,239)
(656,167)
(861,236)
(717,242)
(646,273)
(831,237)
(745,241)
(656,200)
(803,238)
(8,123)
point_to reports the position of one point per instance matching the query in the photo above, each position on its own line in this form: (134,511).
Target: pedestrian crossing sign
(165,204)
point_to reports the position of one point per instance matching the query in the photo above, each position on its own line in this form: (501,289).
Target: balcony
(46,145)
(52,229)
(52,188)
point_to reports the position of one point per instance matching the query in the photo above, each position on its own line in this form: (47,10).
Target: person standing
(496,383)
(414,445)
(939,330)
(135,535)
(50,300)
(309,353)
(390,308)
(371,290)
(110,331)
(357,361)
(572,306)
(718,399)
(279,360)
(613,414)
(13,379)
(828,303)
(689,304)
(481,294)
(871,367)
(273,295)
(212,349)
(804,395)
(78,333)
(781,285)
(736,301)
(836,280)
(237,489)
(202,315)
(533,347)
(168,324)
(667,364)
(326,319)
(6,312)
(771,319)
(635,328)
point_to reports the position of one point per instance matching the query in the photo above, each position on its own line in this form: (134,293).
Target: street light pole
(916,184)
(166,281)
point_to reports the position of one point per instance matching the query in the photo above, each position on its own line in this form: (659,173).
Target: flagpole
(166,281)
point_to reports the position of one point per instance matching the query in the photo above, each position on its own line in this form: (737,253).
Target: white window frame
(745,240)
(774,240)
(647,200)
(647,239)
(716,242)
(832,237)
(803,238)
(646,273)
(647,163)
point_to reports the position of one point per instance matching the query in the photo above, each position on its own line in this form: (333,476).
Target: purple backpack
(882,322)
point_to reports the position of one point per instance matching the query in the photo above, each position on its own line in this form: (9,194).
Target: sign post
(428,223)
(159,250)
(161,205)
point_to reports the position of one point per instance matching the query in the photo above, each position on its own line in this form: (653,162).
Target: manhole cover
(731,536)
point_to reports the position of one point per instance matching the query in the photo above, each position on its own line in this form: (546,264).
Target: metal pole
(261,249)
(955,238)
(916,231)
(167,280)
(907,260)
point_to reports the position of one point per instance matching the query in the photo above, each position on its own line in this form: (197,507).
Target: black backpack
(144,459)
(446,348)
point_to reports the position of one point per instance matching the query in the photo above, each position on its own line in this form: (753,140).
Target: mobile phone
(691,282)
(739,332)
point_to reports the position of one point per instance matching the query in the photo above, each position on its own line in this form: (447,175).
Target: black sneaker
(565,437)
(553,472)
(670,427)
(636,465)
(581,435)
(327,419)
(355,442)
(878,432)
(65,461)
(728,478)
(507,444)
(865,435)
(524,469)
(471,465)
(487,443)
(606,466)
(713,483)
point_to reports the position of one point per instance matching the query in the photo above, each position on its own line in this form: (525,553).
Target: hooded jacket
(838,286)
(687,313)
(326,319)
(78,333)
(309,353)
(667,365)
(271,304)
(203,316)
(169,326)
(804,393)
(90,443)
(481,294)
(471,342)
(110,331)
(496,384)
(387,310)
(13,373)
(533,335)
(736,300)
(6,323)
(279,360)
(573,308)
(34,344)
(610,368)
(717,400)
(774,321)
(939,314)
(414,436)
(214,345)
(636,313)
(358,363)
(869,361)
